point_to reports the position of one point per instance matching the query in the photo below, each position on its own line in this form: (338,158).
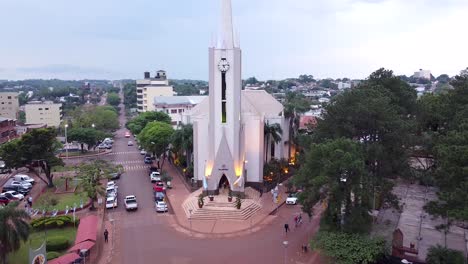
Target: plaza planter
(229,199)
(211,198)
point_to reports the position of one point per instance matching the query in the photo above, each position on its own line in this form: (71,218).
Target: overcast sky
(115,39)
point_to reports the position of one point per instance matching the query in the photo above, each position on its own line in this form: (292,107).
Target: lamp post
(190,219)
(285,244)
(66,140)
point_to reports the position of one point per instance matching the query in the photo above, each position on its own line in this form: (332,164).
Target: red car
(158,188)
(127,134)
(4,200)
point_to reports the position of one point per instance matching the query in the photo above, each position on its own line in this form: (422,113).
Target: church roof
(258,102)
(263,102)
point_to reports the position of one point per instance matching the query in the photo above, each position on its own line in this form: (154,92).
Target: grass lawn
(62,199)
(36,238)
(63,168)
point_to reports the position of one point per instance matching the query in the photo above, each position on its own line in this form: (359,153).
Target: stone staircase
(221,209)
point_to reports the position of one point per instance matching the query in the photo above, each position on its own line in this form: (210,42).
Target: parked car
(102,146)
(4,168)
(109,141)
(4,200)
(161,184)
(291,199)
(130,143)
(19,183)
(143,152)
(23,178)
(13,195)
(155,176)
(19,189)
(148,160)
(111,191)
(131,203)
(161,207)
(115,175)
(111,202)
(159,196)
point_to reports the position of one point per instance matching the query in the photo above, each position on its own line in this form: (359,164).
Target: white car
(130,143)
(155,176)
(14,194)
(23,178)
(143,152)
(291,199)
(111,191)
(111,202)
(23,184)
(131,203)
(161,207)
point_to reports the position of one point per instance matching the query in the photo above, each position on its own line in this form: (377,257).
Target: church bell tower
(225,164)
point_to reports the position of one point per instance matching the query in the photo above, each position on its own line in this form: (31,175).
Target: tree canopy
(104,118)
(36,148)
(137,124)
(156,137)
(14,230)
(441,255)
(88,136)
(113,99)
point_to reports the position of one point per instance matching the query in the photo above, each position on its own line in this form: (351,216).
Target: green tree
(88,136)
(14,229)
(113,99)
(34,149)
(156,137)
(91,175)
(335,171)
(137,124)
(22,117)
(104,118)
(272,134)
(251,81)
(130,95)
(349,248)
(441,255)
(182,142)
(294,105)
(305,78)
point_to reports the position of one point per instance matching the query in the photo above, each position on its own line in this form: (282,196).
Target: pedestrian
(261,192)
(304,248)
(106,236)
(299,219)
(286,228)
(30,200)
(295,220)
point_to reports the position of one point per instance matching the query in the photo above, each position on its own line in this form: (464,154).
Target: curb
(86,156)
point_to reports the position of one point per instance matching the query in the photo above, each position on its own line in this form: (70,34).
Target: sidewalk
(217,228)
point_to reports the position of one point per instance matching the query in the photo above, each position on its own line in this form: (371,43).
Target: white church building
(228,125)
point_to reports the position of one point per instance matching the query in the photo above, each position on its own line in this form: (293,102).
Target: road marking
(136,167)
(124,153)
(127,162)
(4,176)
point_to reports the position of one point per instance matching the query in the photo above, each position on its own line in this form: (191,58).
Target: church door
(224,184)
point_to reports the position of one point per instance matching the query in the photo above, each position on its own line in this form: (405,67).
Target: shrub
(52,255)
(52,222)
(57,243)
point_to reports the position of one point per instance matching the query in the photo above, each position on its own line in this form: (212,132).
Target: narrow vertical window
(223,98)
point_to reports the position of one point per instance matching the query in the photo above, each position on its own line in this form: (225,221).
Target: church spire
(226,38)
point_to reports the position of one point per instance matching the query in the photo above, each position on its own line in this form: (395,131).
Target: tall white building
(9,105)
(423,74)
(149,88)
(229,143)
(43,113)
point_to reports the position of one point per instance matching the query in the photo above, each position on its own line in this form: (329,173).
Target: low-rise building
(47,113)
(23,129)
(149,88)
(425,74)
(9,105)
(176,106)
(7,129)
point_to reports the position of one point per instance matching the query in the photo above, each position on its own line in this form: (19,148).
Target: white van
(23,178)
(108,141)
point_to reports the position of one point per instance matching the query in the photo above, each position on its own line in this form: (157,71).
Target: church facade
(228,139)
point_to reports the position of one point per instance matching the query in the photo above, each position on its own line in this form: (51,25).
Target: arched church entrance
(224,186)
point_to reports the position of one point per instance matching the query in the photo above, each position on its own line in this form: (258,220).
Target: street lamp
(66,140)
(285,244)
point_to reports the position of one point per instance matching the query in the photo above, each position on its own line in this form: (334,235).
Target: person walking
(106,236)
(30,200)
(286,228)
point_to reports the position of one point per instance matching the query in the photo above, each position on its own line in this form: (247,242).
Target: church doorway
(224,186)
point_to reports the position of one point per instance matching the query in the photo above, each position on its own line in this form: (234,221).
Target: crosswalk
(4,176)
(135,167)
(127,162)
(124,153)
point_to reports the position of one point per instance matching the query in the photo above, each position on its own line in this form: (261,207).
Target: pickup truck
(131,203)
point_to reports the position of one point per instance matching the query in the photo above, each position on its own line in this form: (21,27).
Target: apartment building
(7,129)
(176,106)
(151,87)
(47,113)
(9,105)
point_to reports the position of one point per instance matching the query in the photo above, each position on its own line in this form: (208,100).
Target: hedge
(57,243)
(52,255)
(53,222)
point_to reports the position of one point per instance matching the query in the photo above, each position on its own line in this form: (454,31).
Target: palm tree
(90,176)
(442,255)
(14,229)
(271,132)
(182,142)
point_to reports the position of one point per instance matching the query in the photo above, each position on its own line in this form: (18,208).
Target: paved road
(145,236)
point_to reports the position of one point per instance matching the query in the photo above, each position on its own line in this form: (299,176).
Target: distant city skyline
(326,38)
